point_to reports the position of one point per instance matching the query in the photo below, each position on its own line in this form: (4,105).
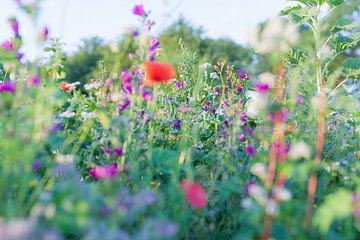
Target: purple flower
(206,105)
(127,87)
(36,166)
(126,76)
(249,149)
(241,101)
(179,84)
(118,151)
(19,56)
(244,117)
(147,95)
(152,55)
(107,151)
(249,130)
(242,138)
(239,89)
(177,124)
(14,24)
(149,25)
(139,10)
(104,172)
(137,72)
(261,87)
(135,33)
(124,106)
(242,75)
(7,86)
(154,43)
(213,110)
(7,45)
(35,80)
(217,91)
(299,99)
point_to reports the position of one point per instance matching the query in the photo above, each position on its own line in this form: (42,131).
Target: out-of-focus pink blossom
(8,86)
(104,172)
(139,10)
(195,194)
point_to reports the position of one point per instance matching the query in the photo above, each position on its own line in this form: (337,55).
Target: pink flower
(261,87)
(104,172)
(139,10)
(8,45)
(7,86)
(250,150)
(44,34)
(126,76)
(195,194)
(35,80)
(242,138)
(14,24)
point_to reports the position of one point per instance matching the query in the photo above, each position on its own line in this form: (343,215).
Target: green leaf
(336,206)
(342,43)
(352,67)
(335,3)
(288,10)
(294,57)
(303,15)
(343,24)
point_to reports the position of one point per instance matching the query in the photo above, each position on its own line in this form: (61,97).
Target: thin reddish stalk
(319,150)
(278,133)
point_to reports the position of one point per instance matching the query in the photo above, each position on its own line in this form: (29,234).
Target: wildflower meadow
(176,135)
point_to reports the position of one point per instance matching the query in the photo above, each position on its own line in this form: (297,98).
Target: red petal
(158,72)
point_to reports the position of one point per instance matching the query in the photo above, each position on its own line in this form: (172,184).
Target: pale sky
(74,20)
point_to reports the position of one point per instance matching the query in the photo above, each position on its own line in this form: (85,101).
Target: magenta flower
(118,151)
(242,75)
(139,10)
(35,80)
(44,34)
(261,87)
(154,43)
(8,45)
(152,55)
(14,24)
(8,86)
(250,150)
(177,124)
(242,138)
(126,76)
(299,99)
(217,91)
(104,172)
(107,151)
(239,89)
(179,84)
(147,95)
(124,106)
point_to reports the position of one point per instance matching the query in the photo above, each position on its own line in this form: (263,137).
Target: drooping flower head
(158,72)
(8,86)
(104,172)
(139,10)
(195,194)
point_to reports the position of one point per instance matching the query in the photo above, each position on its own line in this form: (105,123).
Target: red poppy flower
(158,72)
(195,194)
(65,86)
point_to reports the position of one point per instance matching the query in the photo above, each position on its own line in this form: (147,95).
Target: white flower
(259,194)
(316,103)
(87,115)
(299,150)
(204,66)
(64,158)
(267,78)
(258,169)
(214,75)
(247,203)
(271,207)
(282,194)
(67,114)
(257,103)
(93,85)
